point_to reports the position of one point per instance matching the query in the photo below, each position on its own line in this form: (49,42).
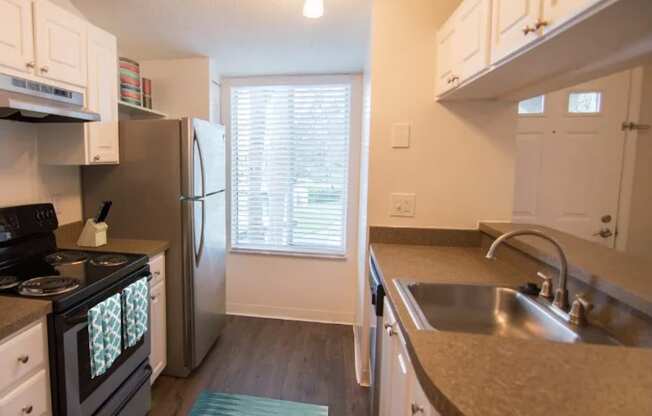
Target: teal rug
(219,404)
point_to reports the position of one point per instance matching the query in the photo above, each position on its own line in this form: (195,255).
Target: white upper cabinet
(514,26)
(16,41)
(515,49)
(446,56)
(102,96)
(60,44)
(473,29)
(556,12)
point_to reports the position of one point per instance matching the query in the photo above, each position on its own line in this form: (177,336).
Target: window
(584,102)
(290,147)
(535,105)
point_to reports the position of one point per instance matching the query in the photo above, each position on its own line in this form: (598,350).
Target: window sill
(337,257)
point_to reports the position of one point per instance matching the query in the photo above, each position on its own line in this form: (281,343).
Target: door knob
(604,233)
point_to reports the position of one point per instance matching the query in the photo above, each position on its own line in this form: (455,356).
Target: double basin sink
(491,310)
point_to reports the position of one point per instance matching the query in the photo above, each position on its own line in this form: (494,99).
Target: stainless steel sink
(491,310)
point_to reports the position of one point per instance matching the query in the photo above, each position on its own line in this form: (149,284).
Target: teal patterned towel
(104,334)
(135,301)
(219,404)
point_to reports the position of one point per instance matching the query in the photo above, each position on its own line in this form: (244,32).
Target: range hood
(35,102)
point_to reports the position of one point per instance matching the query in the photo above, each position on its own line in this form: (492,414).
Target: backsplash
(24,181)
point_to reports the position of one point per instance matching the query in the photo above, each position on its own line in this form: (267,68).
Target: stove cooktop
(71,276)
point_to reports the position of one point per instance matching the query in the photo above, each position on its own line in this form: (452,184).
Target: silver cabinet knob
(23,359)
(527,30)
(389,328)
(540,23)
(157,273)
(416,409)
(96,158)
(30,64)
(604,233)
(27,409)
(153,298)
(45,69)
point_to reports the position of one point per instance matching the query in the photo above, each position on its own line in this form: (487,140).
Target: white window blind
(290,162)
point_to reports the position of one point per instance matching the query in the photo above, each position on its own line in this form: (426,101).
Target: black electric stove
(66,277)
(32,266)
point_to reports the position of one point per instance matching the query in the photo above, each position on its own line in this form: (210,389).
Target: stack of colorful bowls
(147,93)
(130,91)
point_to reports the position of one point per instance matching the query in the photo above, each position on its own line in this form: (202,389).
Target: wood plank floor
(287,360)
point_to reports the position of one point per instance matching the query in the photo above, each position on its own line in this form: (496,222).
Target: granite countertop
(622,276)
(477,375)
(16,313)
(67,239)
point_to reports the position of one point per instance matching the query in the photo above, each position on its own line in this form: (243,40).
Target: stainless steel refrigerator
(170,185)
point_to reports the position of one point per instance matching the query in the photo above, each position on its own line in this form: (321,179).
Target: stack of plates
(130,91)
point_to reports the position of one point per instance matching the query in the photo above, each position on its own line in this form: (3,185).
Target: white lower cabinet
(25,380)
(400,391)
(158,331)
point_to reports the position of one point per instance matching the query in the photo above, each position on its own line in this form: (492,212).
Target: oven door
(74,392)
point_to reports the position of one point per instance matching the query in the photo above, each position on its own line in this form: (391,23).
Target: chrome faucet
(561,294)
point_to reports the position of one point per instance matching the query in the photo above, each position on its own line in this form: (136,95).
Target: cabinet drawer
(157,267)
(30,398)
(21,354)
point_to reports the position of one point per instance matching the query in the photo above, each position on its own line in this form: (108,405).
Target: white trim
(309,255)
(629,160)
(290,314)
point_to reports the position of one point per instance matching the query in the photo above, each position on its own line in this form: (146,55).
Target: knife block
(93,234)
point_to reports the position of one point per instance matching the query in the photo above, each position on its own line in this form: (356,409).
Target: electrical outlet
(403,205)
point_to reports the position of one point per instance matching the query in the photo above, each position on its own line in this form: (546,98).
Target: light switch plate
(401,135)
(403,205)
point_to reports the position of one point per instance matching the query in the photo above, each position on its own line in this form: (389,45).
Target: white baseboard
(292,314)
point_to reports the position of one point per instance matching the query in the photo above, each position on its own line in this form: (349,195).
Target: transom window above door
(289,170)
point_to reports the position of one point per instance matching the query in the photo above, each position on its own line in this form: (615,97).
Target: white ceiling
(246,37)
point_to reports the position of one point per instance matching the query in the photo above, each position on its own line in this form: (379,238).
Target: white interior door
(570,159)
(16,41)
(510,17)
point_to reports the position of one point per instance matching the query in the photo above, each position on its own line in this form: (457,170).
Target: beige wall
(461,161)
(24,181)
(640,222)
(180,87)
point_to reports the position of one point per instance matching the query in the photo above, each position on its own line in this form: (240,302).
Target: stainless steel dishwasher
(375,353)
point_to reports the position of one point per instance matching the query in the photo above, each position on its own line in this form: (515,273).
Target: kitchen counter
(16,313)
(67,239)
(467,374)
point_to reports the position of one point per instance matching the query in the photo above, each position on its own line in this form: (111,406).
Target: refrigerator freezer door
(207,170)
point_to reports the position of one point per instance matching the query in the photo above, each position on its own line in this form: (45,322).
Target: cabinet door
(399,399)
(418,401)
(473,32)
(556,12)
(60,44)
(158,355)
(446,57)
(510,18)
(386,360)
(102,96)
(16,41)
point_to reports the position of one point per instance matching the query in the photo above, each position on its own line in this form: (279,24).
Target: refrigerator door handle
(199,251)
(201,164)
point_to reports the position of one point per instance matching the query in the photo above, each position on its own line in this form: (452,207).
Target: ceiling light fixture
(313,9)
